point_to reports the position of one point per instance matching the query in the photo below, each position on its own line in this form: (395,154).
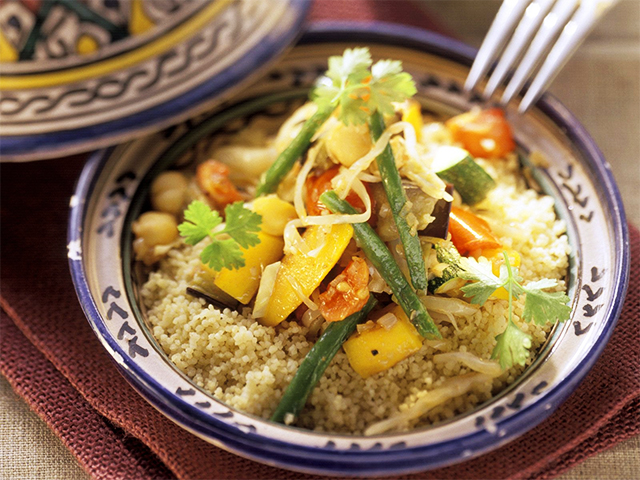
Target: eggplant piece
(218,299)
(440,226)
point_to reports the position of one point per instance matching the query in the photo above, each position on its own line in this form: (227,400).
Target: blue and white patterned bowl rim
(66,142)
(383,457)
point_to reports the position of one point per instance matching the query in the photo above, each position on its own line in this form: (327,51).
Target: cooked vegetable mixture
(365,268)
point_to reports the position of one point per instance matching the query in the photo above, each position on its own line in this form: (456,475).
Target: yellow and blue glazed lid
(76,75)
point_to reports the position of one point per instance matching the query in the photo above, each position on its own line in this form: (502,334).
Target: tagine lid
(80,75)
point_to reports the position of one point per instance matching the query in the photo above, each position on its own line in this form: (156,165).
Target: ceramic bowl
(115,181)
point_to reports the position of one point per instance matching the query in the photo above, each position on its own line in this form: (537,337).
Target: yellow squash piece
(413,115)
(326,245)
(242,283)
(379,349)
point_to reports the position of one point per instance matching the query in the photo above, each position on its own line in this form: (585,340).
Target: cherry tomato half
(213,179)
(317,185)
(484,133)
(347,293)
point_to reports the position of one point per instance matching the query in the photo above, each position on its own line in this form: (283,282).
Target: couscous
(401,273)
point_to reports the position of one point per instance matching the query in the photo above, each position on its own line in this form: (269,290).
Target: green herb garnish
(240,229)
(358,89)
(361,92)
(513,344)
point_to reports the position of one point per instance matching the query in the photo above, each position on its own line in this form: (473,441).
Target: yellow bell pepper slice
(379,349)
(242,283)
(305,271)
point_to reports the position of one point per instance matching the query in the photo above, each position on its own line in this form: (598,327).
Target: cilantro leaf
(359,90)
(325,94)
(240,230)
(222,254)
(389,84)
(512,346)
(484,281)
(353,60)
(353,110)
(543,307)
(511,280)
(242,225)
(199,221)
(344,75)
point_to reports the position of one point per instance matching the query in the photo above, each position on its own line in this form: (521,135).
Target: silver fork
(567,22)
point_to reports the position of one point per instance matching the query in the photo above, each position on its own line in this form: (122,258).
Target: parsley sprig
(240,229)
(513,344)
(354,86)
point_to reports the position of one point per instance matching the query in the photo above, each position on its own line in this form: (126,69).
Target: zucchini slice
(457,166)
(451,273)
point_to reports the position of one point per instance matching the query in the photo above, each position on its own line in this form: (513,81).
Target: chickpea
(168,192)
(157,228)
(153,229)
(275,213)
(347,144)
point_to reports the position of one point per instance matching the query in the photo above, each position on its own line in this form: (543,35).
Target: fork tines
(538,24)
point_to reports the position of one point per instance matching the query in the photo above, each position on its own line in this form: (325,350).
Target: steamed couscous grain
(372,293)
(248,366)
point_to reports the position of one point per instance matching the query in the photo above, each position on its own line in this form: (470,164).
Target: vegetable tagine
(363,267)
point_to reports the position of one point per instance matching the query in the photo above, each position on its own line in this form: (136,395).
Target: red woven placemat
(52,358)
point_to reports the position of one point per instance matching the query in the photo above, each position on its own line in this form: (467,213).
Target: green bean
(298,146)
(316,362)
(397,200)
(382,259)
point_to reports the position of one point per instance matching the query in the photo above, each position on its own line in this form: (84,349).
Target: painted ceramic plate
(79,75)
(111,193)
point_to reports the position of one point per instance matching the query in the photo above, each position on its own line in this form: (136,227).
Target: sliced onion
(316,326)
(369,178)
(475,363)
(451,388)
(438,344)
(447,305)
(310,316)
(444,317)
(267,283)
(292,126)
(387,321)
(293,242)
(377,284)
(365,327)
(409,134)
